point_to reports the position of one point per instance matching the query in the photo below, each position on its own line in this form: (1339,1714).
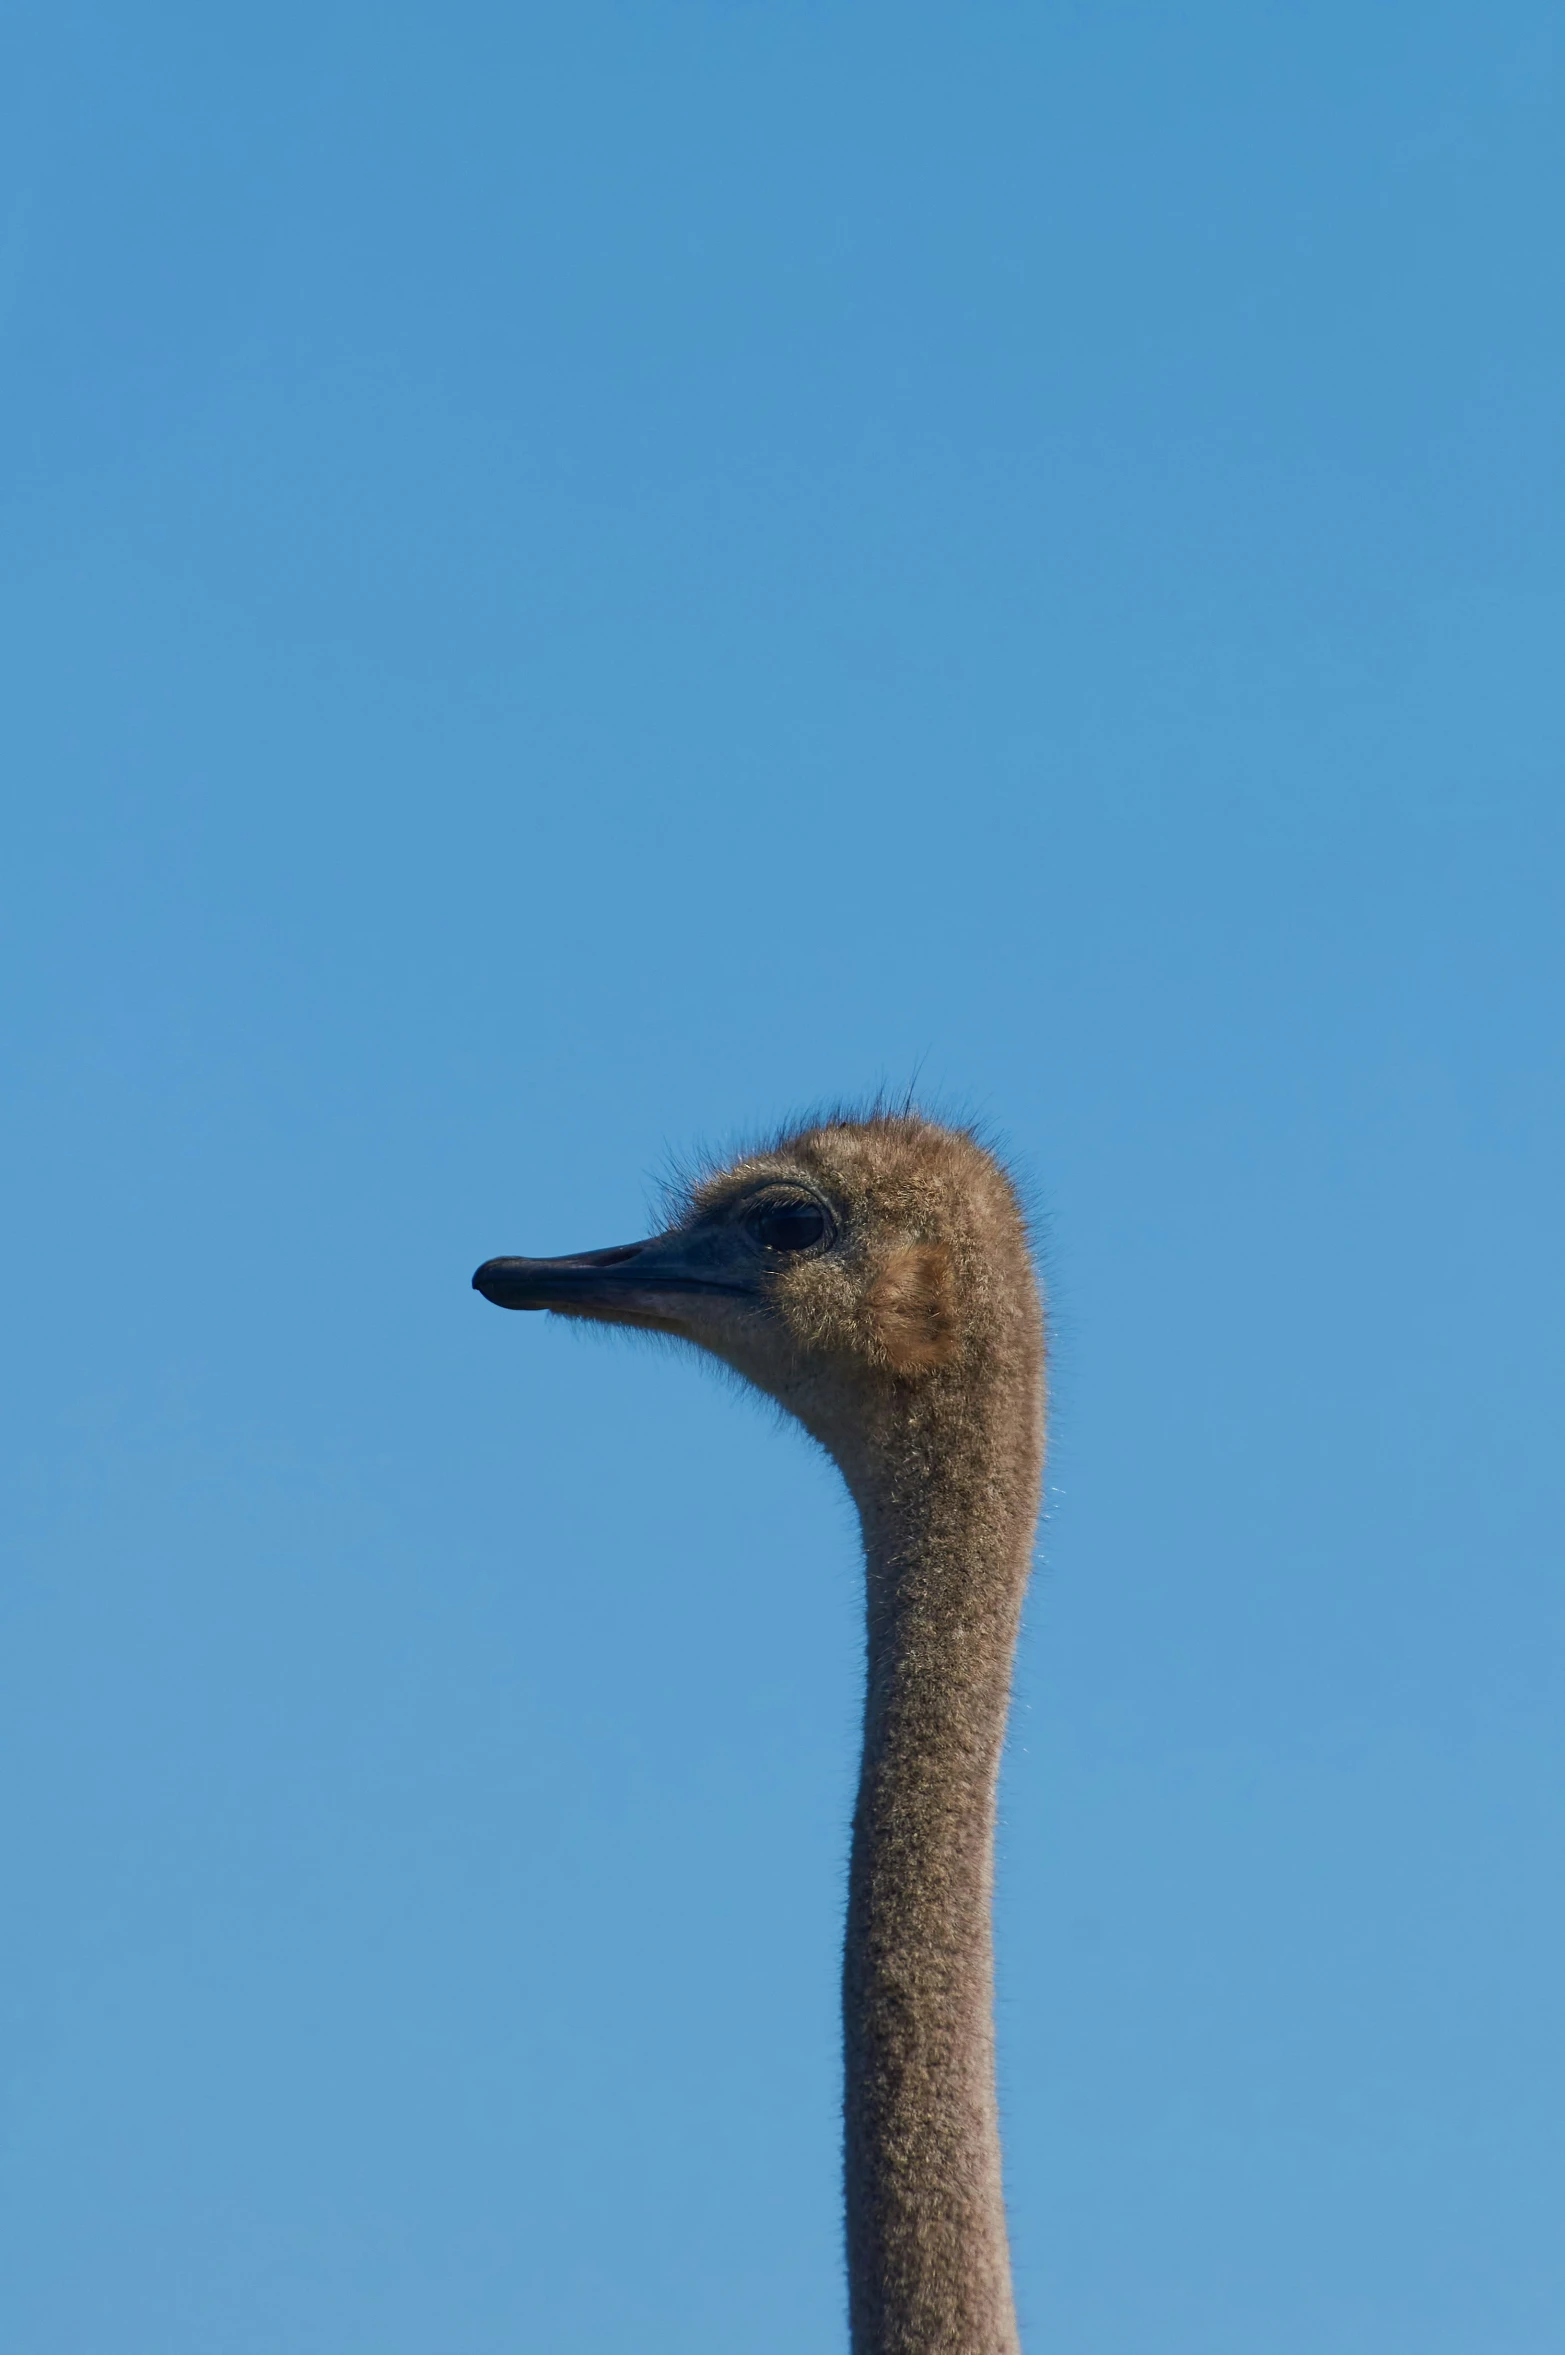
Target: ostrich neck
(948,1513)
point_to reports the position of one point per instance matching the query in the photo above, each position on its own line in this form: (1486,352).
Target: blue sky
(574,581)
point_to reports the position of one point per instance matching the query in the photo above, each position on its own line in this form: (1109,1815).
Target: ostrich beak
(586,1277)
(631,1284)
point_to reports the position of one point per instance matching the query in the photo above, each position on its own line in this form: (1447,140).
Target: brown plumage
(873,1276)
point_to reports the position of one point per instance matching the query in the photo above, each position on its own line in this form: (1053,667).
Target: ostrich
(872,1275)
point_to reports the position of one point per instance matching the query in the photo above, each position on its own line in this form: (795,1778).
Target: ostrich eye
(788,1226)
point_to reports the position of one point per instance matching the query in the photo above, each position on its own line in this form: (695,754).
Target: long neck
(948,1527)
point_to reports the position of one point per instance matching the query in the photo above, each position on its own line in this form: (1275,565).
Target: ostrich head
(858,1272)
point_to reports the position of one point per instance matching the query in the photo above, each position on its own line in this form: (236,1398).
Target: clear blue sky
(575,579)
